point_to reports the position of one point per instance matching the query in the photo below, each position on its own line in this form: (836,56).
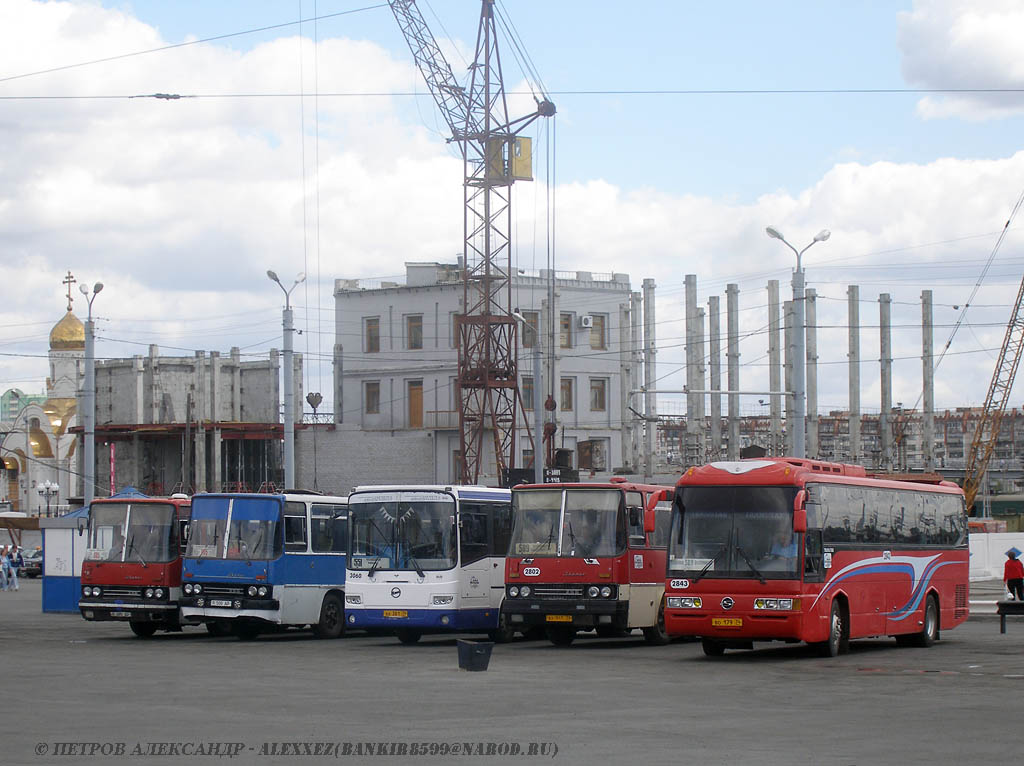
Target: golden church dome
(68,334)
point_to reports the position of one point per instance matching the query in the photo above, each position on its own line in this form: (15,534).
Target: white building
(396,363)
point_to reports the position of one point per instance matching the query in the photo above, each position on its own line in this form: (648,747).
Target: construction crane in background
(494,155)
(987,433)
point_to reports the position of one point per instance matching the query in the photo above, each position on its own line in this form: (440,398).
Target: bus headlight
(149,593)
(251,590)
(187,587)
(524,591)
(443,600)
(353,598)
(683,602)
(593,591)
(262,591)
(513,591)
(606,591)
(197,588)
(86,591)
(96,591)
(159,593)
(777,604)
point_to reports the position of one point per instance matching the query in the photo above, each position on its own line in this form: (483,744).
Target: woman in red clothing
(1013,576)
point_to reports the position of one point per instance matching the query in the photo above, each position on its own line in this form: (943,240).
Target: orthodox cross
(69,280)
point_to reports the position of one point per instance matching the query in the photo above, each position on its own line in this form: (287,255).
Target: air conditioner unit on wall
(586,320)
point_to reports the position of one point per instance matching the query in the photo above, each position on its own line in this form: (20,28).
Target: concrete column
(626,384)
(774,368)
(700,378)
(715,359)
(217,480)
(236,386)
(200,437)
(650,381)
(732,304)
(853,355)
(788,374)
(885,346)
(693,452)
(928,382)
(811,342)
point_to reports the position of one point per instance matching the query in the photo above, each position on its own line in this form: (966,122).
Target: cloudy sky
(683,129)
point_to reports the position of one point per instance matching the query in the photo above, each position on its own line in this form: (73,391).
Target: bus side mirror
(634,516)
(648,521)
(800,521)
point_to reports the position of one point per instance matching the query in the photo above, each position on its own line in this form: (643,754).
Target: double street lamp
(289,380)
(49,490)
(799,370)
(88,399)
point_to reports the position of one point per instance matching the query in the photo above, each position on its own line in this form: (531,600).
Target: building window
(530,329)
(565,330)
(598,340)
(527,392)
(372,334)
(414,332)
(372,397)
(566,394)
(598,394)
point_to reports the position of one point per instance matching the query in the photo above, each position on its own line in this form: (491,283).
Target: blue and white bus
(257,560)
(428,559)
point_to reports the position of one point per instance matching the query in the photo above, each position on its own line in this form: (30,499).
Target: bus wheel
(657,634)
(930,631)
(245,631)
(838,642)
(332,618)
(561,636)
(218,628)
(503,633)
(407,636)
(711,647)
(143,629)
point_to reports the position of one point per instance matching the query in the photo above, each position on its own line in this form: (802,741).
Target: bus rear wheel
(561,636)
(407,636)
(142,629)
(332,618)
(929,631)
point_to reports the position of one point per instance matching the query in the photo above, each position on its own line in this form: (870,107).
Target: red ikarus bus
(586,557)
(802,550)
(132,566)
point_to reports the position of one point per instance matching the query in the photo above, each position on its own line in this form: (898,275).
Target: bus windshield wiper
(416,565)
(750,564)
(710,563)
(131,547)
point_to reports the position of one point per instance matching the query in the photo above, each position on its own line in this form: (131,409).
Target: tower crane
(494,155)
(987,432)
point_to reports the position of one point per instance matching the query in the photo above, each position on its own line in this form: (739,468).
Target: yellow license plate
(559,618)
(395,613)
(727,622)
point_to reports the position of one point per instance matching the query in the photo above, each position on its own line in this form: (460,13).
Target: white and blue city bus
(255,560)
(428,559)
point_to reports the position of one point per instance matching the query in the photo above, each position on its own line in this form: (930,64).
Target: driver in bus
(586,541)
(783,545)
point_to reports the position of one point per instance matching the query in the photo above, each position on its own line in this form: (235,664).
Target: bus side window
(635,519)
(501,521)
(183,534)
(295,533)
(814,570)
(473,535)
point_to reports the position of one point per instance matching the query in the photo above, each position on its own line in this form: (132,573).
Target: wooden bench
(1004,608)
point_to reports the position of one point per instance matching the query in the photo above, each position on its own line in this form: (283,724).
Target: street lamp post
(89,399)
(314,398)
(538,414)
(48,489)
(800,353)
(289,381)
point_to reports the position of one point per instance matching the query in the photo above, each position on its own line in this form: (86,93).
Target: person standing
(16,562)
(1013,575)
(5,569)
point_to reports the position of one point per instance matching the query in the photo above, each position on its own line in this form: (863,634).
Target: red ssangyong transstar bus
(802,550)
(586,557)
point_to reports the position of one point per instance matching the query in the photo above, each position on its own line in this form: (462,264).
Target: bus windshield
(409,531)
(140,532)
(734,532)
(592,525)
(235,528)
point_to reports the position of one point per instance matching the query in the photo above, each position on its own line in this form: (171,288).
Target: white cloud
(962,44)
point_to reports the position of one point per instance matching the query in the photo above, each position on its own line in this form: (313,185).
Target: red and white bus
(587,557)
(801,550)
(132,566)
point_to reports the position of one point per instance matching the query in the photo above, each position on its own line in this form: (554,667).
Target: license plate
(219,602)
(120,614)
(395,613)
(727,622)
(559,618)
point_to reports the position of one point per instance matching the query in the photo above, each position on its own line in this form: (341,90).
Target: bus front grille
(556,591)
